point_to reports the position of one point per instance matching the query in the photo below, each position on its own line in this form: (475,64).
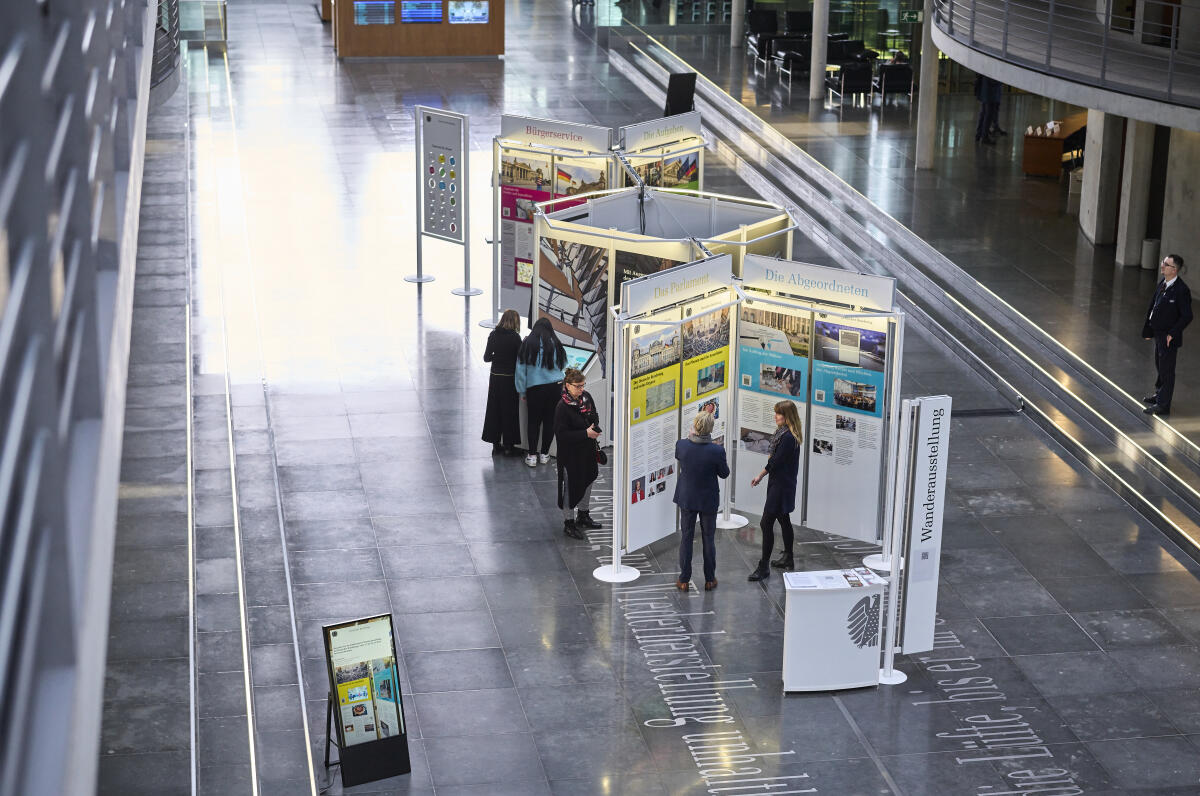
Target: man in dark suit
(1169,313)
(698,494)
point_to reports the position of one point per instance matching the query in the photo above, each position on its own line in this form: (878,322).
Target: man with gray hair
(698,493)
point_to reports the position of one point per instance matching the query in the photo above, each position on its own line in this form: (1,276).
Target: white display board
(705,337)
(818,283)
(774,345)
(442,138)
(846,441)
(666,152)
(926,500)
(831,629)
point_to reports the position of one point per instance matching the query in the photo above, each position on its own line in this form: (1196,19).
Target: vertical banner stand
(618,572)
(443,210)
(902,469)
(882,562)
(727,520)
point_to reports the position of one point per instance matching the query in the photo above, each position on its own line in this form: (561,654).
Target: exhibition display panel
(664,153)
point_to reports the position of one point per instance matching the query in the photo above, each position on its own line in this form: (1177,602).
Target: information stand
(536,160)
(831,629)
(442,150)
(365,713)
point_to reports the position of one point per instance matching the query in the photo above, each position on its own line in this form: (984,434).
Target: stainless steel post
(418,145)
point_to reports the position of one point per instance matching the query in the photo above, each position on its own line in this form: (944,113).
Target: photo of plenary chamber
(704,333)
(848,345)
(777,332)
(854,395)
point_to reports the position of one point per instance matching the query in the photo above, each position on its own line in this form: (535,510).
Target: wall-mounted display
(374,12)
(420,11)
(467,12)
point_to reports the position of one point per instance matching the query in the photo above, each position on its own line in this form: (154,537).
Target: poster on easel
(774,345)
(365,709)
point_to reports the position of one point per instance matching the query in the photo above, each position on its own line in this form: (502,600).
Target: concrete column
(820,49)
(1180,231)
(1101,178)
(1135,191)
(927,98)
(737,27)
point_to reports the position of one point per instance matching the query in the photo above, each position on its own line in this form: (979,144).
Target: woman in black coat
(781,471)
(502,418)
(576,427)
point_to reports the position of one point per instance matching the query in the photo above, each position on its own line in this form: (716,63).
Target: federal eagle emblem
(862,623)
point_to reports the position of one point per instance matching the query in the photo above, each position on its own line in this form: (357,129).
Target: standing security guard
(1169,313)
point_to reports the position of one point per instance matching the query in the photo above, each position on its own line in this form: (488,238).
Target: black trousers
(708,540)
(768,530)
(989,116)
(540,402)
(1164,363)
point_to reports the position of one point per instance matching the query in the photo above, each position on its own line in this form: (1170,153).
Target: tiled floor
(352,402)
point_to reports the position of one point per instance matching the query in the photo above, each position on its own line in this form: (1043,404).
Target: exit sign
(911,16)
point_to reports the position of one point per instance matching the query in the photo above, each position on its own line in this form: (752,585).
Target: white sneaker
(531,460)
(544,458)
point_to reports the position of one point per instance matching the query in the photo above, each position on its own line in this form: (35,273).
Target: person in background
(697,493)
(502,418)
(576,427)
(1169,313)
(540,363)
(989,92)
(783,466)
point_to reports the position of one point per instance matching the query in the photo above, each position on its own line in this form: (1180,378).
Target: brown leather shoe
(709,585)
(682,585)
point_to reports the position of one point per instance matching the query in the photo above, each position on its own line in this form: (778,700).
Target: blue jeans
(708,534)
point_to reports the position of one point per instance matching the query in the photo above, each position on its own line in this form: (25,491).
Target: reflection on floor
(355,405)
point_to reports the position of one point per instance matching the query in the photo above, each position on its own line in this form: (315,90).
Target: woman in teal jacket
(540,363)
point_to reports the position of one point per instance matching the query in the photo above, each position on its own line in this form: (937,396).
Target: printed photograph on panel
(850,345)
(580,175)
(653,352)
(705,333)
(854,395)
(573,291)
(632,266)
(649,170)
(682,172)
(777,332)
(525,170)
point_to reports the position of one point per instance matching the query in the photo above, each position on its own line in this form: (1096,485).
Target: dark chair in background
(798,22)
(852,78)
(793,61)
(893,79)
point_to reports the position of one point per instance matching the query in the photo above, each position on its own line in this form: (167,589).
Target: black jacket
(700,465)
(576,453)
(501,351)
(782,470)
(1173,315)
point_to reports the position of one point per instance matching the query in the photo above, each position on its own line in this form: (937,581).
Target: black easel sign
(365,709)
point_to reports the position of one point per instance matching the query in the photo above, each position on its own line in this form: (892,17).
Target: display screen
(468,12)
(420,10)
(577,357)
(374,12)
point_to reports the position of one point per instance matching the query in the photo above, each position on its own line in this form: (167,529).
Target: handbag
(601,456)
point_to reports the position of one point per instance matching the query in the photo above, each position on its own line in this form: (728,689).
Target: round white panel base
(895,677)
(417,278)
(734,521)
(876,561)
(467,291)
(622,574)
(488,323)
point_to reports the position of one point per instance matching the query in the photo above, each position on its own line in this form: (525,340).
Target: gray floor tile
(458,670)
(503,759)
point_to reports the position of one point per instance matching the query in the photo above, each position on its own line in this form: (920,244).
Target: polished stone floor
(338,472)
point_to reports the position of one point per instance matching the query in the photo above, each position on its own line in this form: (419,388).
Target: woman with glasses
(576,427)
(540,363)
(502,418)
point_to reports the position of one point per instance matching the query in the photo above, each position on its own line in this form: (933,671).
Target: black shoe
(584,520)
(572,530)
(762,573)
(1151,399)
(497,449)
(1157,410)
(998,131)
(785,561)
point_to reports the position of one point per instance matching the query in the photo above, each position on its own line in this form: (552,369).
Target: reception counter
(418,28)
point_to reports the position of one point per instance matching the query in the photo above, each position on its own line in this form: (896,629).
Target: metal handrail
(1082,43)
(166,42)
